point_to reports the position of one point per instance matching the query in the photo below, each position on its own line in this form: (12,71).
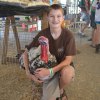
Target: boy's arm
(64,63)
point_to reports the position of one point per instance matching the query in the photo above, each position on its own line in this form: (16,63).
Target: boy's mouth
(55,23)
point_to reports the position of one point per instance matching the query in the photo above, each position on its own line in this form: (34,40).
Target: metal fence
(24,35)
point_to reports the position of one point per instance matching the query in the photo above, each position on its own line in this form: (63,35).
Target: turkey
(40,57)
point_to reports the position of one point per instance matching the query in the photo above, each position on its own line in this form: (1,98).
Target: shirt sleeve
(70,47)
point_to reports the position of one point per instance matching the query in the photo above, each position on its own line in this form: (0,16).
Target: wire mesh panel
(25,36)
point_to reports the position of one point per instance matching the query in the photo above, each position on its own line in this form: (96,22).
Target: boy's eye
(58,16)
(51,16)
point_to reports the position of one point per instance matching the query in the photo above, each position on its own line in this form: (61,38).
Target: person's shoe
(83,36)
(79,32)
(93,46)
(90,39)
(63,96)
(97,48)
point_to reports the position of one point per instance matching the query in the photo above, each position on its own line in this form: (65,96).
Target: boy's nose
(55,18)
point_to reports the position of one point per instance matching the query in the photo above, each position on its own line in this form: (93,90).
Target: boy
(62,46)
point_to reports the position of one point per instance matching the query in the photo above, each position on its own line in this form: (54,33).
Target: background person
(96,6)
(93,25)
(85,7)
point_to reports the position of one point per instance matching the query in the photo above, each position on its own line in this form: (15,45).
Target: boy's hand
(33,77)
(42,72)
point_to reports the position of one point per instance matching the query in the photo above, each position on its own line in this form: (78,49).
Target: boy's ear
(66,23)
(63,18)
(63,24)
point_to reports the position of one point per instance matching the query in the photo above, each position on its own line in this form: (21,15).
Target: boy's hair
(55,7)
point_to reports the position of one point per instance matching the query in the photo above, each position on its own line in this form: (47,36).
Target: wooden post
(44,21)
(15,34)
(6,36)
(5,40)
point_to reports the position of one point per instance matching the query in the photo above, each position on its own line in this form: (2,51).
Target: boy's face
(55,18)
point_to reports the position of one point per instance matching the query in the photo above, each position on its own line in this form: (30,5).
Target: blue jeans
(85,17)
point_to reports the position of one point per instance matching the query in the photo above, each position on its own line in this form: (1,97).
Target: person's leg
(97,38)
(96,34)
(67,74)
(51,89)
(84,27)
(93,37)
(87,20)
(93,25)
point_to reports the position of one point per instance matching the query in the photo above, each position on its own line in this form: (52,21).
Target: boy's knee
(67,74)
(68,70)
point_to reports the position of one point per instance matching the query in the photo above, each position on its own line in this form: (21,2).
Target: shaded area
(9,9)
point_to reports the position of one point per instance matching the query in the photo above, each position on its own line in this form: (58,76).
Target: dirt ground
(14,85)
